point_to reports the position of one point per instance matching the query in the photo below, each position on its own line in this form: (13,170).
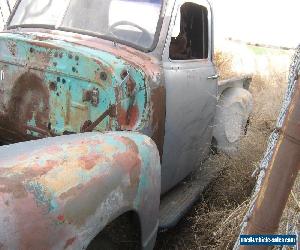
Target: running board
(179,200)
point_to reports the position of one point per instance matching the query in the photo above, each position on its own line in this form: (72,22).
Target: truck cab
(104,109)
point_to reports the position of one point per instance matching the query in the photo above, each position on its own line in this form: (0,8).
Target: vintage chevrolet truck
(107,109)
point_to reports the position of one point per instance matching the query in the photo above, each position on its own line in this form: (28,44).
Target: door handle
(214,77)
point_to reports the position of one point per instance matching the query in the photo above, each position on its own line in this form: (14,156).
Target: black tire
(122,233)
(103,242)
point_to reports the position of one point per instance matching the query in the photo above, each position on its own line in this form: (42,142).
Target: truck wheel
(122,233)
(232,117)
(104,242)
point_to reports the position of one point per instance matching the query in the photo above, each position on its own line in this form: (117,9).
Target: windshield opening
(131,21)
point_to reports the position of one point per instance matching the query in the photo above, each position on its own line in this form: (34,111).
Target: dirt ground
(214,221)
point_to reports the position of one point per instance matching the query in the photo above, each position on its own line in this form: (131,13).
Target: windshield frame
(91,33)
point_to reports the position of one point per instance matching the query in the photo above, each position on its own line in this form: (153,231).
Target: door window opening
(190,34)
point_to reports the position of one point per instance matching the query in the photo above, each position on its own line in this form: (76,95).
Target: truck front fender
(59,193)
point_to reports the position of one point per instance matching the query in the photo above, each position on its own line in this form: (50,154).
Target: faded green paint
(74,185)
(67,71)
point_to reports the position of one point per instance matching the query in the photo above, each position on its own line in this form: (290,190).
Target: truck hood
(52,84)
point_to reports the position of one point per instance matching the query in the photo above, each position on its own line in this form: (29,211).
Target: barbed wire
(2,15)
(261,170)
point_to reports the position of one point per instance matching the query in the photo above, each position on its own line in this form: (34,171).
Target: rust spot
(14,183)
(29,103)
(12,47)
(43,45)
(130,87)
(118,93)
(131,163)
(69,242)
(82,202)
(90,127)
(133,114)
(121,116)
(90,161)
(127,119)
(123,74)
(158,107)
(52,86)
(61,218)
(85,125)
(7,135)
(129,143)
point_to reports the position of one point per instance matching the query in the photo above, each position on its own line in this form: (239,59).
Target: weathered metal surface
(58,193)
(73,68)
(51,87)
(54,82)
(190,109)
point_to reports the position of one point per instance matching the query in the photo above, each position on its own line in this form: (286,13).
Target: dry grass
(214,222)
(223,62)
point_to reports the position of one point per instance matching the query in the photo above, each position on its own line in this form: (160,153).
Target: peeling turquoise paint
(42,195)
(66,72)
(68,170)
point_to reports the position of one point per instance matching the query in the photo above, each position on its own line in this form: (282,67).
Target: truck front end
(66,68)
(59,77)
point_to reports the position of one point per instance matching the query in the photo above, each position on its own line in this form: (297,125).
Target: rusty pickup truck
(107,109)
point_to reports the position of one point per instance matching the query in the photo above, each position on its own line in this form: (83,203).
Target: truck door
(191,90)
